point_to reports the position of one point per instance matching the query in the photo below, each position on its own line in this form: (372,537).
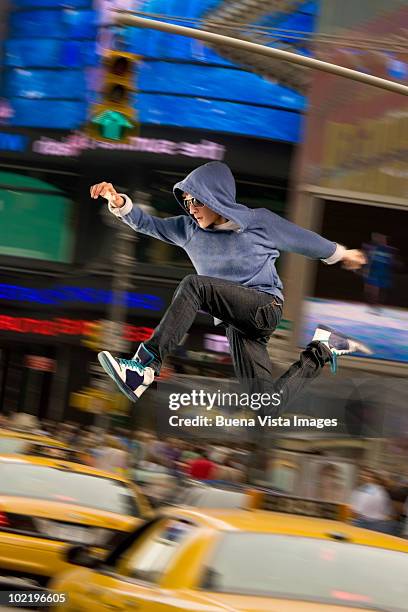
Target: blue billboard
(53,69)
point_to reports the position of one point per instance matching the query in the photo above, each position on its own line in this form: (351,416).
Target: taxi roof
(28,435)
(60,464)
(260,521)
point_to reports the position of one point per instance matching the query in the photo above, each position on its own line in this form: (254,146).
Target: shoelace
(333,363)
(131,364)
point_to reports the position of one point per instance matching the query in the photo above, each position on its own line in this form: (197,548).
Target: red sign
(59,326)
(36,362)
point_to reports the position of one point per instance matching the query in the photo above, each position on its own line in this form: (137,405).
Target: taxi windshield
(309,569)
(61,485)
(12,445)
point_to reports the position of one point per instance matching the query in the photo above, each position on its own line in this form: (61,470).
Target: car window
(61,485)
(12,445)
(212,498)
(150,558)
(336,572)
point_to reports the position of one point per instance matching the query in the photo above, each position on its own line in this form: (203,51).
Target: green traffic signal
(112,124)
(114,116)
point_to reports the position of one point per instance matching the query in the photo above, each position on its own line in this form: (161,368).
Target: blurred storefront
(56,256)
(352,183)
(47,345)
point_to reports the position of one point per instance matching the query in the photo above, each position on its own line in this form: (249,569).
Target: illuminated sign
(67,327)
(297,505)
(216,343)
(42,364)
(6,111)
(13,142)
(62,295)
(75,143)
(106,9)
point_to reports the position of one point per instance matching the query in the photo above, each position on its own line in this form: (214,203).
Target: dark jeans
(250,317)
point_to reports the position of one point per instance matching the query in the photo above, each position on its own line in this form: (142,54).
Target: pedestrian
(86,447)
(137,449)
(371,505)
(202,468)
(189,453)
(398,492)
(405,520)
(229,470)
(112,456)
(234,250)
(378,273)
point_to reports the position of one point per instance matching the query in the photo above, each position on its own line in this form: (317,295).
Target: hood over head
(214,185)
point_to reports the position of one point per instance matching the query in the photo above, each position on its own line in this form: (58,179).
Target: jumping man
(233,249)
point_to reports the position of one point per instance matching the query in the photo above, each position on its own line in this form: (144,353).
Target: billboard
(356,134)
(35,219)
(372,304)
(353,167)
(53,69)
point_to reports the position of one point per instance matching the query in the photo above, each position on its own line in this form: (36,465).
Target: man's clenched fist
(107,190)
(353,259)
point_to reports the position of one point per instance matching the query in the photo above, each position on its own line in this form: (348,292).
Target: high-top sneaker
(132,376)
(339,344)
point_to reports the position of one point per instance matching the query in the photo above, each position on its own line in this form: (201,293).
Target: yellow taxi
(17,442)
(241,560)
(21,442)
(48,504)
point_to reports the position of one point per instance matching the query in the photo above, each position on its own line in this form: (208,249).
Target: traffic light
(114,118)
(92,335)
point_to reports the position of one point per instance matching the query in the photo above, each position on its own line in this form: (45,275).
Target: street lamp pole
(113,326)
(130,18)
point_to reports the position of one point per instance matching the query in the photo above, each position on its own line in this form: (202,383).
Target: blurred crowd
(119,452)
(122,452)
(379,501)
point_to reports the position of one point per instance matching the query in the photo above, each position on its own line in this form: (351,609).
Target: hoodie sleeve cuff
(337,255)
(123,210)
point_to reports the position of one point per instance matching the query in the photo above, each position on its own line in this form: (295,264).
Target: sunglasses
(187,202)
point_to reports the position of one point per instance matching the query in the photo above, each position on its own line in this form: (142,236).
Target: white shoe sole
(321,335)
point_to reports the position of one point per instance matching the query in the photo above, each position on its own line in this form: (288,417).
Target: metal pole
(113,327)
(129,19)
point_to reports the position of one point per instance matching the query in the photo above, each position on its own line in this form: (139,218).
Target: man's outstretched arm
(174,230)
(288,236)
